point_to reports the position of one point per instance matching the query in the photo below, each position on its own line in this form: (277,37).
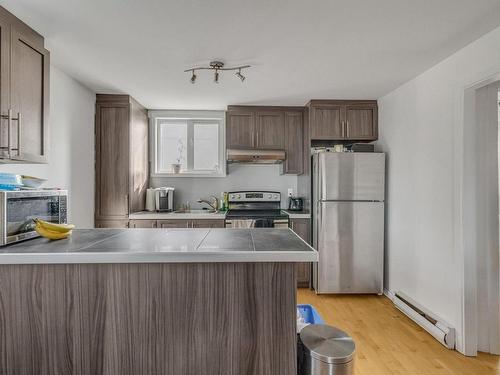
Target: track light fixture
(240,76)
(217,66)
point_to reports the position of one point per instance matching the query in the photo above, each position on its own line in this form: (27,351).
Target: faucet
(214,203)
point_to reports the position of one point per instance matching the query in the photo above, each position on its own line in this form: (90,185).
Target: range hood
(255,156)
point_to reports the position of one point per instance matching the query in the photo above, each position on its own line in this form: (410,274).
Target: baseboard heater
(427,320)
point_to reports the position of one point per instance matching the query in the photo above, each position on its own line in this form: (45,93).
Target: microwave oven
(19,208)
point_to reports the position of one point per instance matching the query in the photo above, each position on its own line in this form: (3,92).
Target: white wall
(71,153)
(239,177)
(418,130)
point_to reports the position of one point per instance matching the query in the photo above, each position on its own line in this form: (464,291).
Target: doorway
(481,224)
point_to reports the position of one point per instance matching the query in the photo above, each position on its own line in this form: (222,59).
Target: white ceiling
(299,49)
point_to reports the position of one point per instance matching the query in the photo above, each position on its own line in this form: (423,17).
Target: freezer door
(349,176)
(350,243)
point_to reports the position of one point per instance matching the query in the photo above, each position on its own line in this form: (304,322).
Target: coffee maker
(164,198)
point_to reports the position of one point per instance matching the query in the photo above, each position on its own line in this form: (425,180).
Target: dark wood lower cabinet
(181,223)
(208,223)
(173,223)
(148,319)
(112,223)
(142,223)
(303,230)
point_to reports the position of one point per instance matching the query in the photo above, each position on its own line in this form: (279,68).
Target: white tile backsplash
(240,177)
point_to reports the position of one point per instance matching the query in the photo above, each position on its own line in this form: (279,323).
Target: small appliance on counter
(151,199)
(19,208)
(164,198)
(295,204)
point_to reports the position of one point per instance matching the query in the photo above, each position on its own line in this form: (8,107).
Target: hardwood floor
(390,343)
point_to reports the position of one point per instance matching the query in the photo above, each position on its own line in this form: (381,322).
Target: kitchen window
(188,143)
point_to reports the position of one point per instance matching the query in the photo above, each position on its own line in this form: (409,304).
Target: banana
(51,235)
(61,228)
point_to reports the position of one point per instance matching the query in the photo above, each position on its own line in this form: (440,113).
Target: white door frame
(464,225)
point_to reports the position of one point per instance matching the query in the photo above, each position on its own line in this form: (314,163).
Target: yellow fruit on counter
(51,235)
(61,228)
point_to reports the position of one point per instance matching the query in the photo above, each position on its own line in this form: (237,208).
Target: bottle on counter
(224,204)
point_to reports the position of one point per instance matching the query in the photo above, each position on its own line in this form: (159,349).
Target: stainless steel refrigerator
(348,222)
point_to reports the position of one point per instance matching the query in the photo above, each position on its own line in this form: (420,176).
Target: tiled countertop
(163,246)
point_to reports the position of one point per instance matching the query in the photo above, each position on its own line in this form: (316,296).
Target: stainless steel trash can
(325,350)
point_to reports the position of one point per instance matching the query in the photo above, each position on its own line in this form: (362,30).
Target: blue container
(8,187)
(310,314)
(10,179)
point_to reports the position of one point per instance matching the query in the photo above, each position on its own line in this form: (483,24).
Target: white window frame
(202,116)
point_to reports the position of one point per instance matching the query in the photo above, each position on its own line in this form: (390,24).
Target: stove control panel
(255,196)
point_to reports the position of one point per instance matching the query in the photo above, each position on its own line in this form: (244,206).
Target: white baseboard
(389,294)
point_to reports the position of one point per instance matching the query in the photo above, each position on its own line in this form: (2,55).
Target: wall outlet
(290,192)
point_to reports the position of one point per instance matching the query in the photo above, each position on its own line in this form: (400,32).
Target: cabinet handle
(347,128)
(257,139)
(8,117)
(292,225)
(9,133)
(18,133)
(343,129)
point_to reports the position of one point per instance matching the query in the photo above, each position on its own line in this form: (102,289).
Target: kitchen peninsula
(152,301)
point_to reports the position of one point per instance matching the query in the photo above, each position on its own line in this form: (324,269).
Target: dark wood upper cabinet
(121,157)
(112,160)
(24,96)
(326,122)
(139,157)
(294,133)
(361,122)
(270,130)
(4,82)
(240,129)
(343,120)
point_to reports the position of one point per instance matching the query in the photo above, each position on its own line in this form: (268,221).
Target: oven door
(21,209)
(257,223)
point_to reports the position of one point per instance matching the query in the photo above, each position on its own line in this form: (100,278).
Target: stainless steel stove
(255,209)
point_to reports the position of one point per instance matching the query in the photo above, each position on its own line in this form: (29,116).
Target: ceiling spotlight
(217,66)
(240,76)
